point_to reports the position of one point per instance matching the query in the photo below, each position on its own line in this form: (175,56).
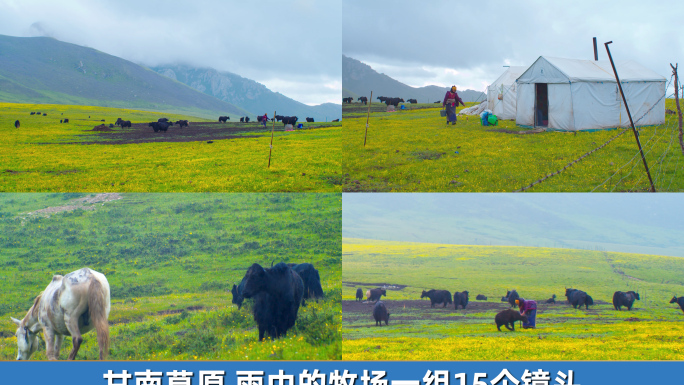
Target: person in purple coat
(451,101)
(528,307)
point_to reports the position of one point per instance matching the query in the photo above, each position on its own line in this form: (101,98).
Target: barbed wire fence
(661,147)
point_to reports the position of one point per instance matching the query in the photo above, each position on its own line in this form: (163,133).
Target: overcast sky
(468,43)
(292,47)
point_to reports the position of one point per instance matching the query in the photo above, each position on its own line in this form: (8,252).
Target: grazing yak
(627,299)
(394,101)
(382,98)
(375,294)
(44,114)
(16,124)
(311,279)
(279,118)
(238,298)
(510,297)
(157,126)
(33,113)
(336,120)
(289,120)
(223,119)
(182,123)
(347,100)
(246,119)
(66,120)
(359,294)
(577,298)
(460,299)
(242,119)
(551,300)
(412,101)
(437,297)
(481,297)
(508,317)
(437,102)
(309,120)
(380,313)
(679,301)
(277,293)
(127,123)
(363,99)
(118,121)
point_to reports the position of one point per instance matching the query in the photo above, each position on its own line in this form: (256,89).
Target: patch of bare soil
(196,132)
(90,202)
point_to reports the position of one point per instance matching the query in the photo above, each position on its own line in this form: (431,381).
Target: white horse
(71,305)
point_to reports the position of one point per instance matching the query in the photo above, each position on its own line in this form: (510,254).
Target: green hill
(47,71)
(246,93)
(360,78)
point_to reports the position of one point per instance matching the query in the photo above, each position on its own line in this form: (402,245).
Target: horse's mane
(35,306)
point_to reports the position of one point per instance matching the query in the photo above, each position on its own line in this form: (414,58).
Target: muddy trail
(196,132)
(409,311)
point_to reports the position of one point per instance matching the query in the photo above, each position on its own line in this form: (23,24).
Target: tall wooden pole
(367,119)
(679,109)
(271,146)
(636,135)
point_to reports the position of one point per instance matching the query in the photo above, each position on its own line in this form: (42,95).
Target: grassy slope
(45,70)
(413,150)
(306,160)
(164,253)
(536,273)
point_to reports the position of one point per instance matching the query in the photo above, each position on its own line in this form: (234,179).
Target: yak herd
(576,298)
(276,293)
(383,99)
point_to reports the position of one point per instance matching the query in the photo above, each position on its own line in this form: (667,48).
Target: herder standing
(451,101)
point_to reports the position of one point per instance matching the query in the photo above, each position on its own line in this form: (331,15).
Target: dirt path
(91,202)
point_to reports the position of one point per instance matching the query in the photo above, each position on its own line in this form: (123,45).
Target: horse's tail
(98,315)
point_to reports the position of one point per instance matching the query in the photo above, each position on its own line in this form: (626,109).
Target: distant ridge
(45,70)
(359,78)
(247,94)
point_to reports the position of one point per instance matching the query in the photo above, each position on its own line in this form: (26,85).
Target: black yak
(238,298)
(551,300)
(33,113)
(412,101)
(118,121)
(277,293)
(182,123)
(311,279)
(437,297)
(577,298)
(511,296)
(279,118)
(363,99)
(359,294)
(481,297)
(347,100)
(157,126)
(16,124)
(289,120)
(508,317)
(223,119)
(163,120)
(246,119)
(375,294)
(460,299)
(66,120)
(309,120)
(382,98)
(242,119)
(627,299)
(679,301)
(380,313)
(394,101)
(335,120)
(126,123)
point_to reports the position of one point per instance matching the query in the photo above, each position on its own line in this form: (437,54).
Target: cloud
(264,41)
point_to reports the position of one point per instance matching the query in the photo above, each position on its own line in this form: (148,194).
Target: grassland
(46,156)
(651,331)
(413,150)
(171,260)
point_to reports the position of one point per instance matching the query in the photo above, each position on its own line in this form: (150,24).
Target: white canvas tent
(573,95)
(501,95)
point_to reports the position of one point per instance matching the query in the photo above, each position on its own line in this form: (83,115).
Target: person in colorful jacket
(528,308)
(451,101)
(264,119)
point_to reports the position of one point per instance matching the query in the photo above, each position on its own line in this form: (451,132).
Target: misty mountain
(45,70)
(359,78)
(246,93)
(639,223)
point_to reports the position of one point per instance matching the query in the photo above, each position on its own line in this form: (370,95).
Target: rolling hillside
(246,93)
(361,79)
(47,71)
